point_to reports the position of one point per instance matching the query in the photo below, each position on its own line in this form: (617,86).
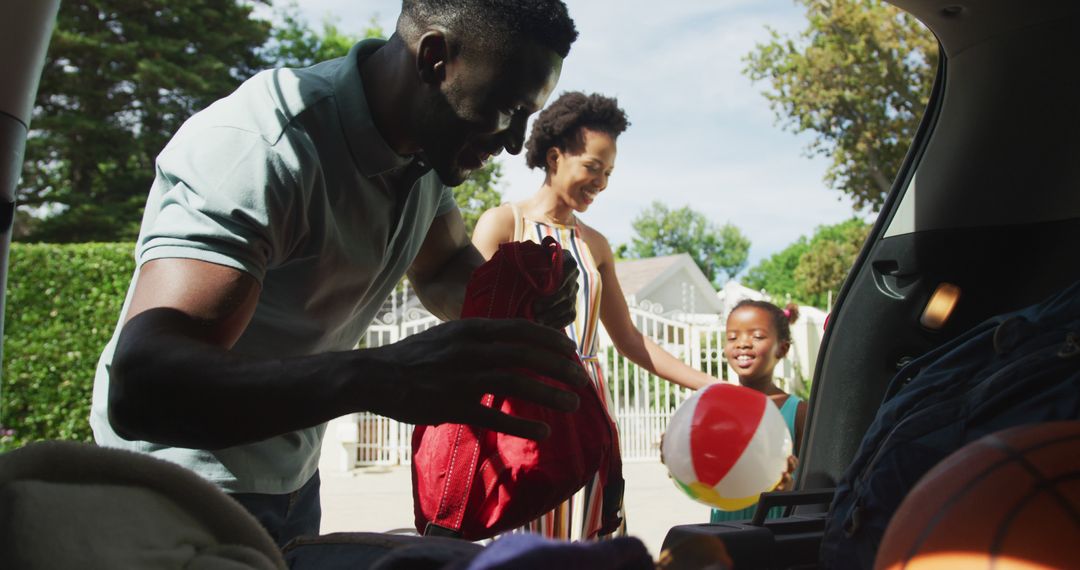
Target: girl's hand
(787,481)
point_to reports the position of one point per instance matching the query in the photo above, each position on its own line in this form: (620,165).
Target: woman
(573,141)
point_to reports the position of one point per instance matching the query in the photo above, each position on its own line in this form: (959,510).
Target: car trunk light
(940,306)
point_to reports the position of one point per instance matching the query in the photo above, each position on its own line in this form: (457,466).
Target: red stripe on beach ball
(725,419)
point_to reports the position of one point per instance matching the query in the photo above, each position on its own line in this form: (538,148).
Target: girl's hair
(559,125)
(781,318)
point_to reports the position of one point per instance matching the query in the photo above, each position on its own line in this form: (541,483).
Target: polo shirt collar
(370,151)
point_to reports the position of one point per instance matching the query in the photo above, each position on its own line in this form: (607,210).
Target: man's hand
(558,309)
(441,374)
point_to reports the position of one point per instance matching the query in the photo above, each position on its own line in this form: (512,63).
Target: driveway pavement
(379,499)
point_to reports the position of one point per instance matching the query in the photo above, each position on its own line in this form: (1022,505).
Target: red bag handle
(554,276)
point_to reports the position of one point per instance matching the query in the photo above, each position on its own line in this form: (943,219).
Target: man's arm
(174,380)
(443,266)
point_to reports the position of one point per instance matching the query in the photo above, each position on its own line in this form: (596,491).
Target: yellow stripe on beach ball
(709,495)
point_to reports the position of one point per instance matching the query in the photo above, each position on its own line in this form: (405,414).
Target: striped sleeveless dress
(564,522)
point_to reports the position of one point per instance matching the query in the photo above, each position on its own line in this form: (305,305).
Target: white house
(674,282)
(733,292)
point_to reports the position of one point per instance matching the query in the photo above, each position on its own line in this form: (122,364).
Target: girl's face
(579,178)
(753,349)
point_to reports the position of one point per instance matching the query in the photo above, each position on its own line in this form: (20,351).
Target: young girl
(758,337)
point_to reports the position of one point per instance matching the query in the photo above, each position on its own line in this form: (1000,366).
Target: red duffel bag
(474,483)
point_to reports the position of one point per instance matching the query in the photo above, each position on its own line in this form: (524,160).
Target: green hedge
(63,301)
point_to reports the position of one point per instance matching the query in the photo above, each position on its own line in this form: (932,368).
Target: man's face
(481,107)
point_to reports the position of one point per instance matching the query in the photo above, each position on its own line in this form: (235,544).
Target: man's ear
(432,54)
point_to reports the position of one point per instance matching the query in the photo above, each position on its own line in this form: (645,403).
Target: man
(279,220)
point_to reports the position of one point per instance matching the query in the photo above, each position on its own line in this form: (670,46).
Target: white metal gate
(641,402)
(381,440)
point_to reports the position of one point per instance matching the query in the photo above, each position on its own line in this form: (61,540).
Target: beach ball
(725,445)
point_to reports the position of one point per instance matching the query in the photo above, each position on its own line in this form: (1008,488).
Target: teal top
(788,411)
(286,179)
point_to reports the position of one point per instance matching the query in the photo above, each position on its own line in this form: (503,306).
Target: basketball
(725,445)
(1008,500)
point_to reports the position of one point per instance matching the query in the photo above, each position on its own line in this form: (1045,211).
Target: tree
(858,77)
(715,250)
(293,42)
(731,257)
(119,78)
(122,75)
(479,192)
(809,269)
(776,274)
(828,260)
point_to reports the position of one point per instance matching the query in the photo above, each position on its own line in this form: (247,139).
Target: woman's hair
(560,124)
(781,318)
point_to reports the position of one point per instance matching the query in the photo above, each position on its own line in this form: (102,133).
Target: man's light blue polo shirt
(286,179)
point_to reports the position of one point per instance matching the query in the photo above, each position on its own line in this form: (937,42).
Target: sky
(701,134)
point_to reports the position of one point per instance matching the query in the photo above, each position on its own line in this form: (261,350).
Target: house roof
(643,278)
(635,274)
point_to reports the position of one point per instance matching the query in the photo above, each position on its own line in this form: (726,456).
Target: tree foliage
(810,268)
(122,75)
(776,275)
(294,43)
(63,301)
(119,78)
(715,249)
(479,192)
(858,77)
(832,252)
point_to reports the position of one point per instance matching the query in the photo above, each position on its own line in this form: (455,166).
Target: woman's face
(579,178)
(753,349)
